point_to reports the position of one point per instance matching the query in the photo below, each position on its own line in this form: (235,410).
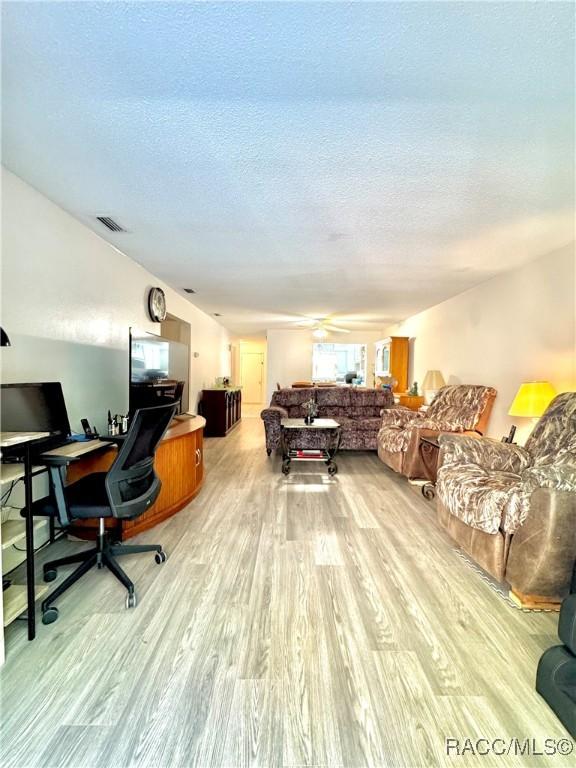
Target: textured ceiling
(363,160)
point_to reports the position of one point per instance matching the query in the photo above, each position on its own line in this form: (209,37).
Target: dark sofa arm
(272,417)
(274,414)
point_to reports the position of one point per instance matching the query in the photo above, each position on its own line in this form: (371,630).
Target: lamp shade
(532,399)
(433,380)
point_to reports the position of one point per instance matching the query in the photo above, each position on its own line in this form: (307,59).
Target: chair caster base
(160,557)
(131,600)
(49,615)
(50,575)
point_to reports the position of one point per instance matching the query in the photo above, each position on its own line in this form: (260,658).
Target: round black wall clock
(157,305)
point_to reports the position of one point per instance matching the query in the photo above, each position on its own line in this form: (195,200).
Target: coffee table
(289,429)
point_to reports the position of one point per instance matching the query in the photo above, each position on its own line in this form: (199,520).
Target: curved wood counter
(179,464)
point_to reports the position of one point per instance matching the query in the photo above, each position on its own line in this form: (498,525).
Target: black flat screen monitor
(34,408)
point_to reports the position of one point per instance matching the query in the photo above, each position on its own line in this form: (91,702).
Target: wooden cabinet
(179,464)
(222,410)
(392,356)
(199,451)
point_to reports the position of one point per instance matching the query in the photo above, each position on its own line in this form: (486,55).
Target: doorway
(252,377)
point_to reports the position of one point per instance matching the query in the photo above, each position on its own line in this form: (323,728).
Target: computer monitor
(38,407)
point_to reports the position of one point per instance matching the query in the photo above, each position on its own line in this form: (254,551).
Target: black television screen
(156,366)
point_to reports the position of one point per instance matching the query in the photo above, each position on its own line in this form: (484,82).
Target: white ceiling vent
(110,224)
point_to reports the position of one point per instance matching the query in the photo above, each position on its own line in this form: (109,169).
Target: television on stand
(159,371)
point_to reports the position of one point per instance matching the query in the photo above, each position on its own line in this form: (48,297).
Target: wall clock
(157,305)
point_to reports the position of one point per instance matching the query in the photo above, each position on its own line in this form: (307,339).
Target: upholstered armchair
(458,408)
(513,509)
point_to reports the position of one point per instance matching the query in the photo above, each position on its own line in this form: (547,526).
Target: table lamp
(433,381)
(532,399)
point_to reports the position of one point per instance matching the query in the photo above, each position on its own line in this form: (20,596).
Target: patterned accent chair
(357,410)
(513,509)
(457,408)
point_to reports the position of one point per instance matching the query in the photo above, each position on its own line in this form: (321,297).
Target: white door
(251,376)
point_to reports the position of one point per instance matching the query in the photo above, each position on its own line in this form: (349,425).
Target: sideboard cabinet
(222,410)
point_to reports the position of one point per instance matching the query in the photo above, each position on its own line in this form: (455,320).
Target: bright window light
(331,362)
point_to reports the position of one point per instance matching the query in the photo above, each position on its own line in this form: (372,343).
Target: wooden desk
(180,466)
(73,450)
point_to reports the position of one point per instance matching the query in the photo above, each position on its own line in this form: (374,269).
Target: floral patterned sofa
(456,408)
(513,509)
(356,409)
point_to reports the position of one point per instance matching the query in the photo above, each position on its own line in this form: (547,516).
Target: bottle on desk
(113,425)
(117,425)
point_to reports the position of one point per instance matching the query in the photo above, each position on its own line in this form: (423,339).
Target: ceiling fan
(321,327)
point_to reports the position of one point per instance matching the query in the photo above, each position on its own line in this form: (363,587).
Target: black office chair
(127,490)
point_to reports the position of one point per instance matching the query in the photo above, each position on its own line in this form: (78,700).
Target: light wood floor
(300,622)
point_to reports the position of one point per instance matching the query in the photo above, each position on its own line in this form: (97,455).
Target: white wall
(68,300)
(517,327)
(290,354)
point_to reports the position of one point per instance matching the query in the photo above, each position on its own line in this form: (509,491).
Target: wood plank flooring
(305,621)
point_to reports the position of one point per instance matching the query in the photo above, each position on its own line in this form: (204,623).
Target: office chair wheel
(49,615)
(131,600)
(160,557)
(50,575)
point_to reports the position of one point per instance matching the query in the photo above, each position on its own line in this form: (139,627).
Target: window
(331,362)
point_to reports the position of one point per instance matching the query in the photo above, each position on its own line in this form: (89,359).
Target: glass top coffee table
(323,435)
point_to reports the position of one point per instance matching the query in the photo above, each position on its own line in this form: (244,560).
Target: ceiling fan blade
(307,323)
(335,328)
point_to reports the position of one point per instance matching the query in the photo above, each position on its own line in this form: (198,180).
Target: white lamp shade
(433,380)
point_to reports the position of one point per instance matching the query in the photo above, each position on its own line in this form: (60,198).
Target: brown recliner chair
(513,509)
(460,408)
